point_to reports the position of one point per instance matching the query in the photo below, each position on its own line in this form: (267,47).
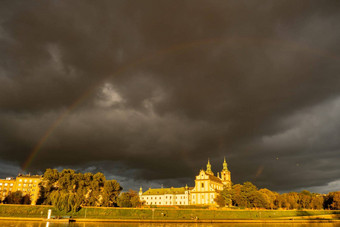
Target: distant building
(28,184)
(166,196)
(7,186)
(207,187)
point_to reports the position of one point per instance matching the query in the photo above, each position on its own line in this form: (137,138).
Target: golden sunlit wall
(207,188)
(27,184)
(6,186)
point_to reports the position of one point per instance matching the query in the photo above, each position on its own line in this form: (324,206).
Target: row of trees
(68,190)
(17,198)
(129,199)
(248,195)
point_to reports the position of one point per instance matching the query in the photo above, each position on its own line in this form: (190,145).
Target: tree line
(69,191)
(17,198)
(247,195)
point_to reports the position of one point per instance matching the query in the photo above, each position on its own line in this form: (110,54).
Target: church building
(207,187)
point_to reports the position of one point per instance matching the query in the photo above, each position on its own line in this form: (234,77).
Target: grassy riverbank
(27,211)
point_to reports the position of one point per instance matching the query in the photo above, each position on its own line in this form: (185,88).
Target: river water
(106,224)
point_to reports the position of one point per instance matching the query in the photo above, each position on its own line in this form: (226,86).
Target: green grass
(156,213)
(24,211)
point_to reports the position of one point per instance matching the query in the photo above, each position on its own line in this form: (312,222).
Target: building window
(202,185)
(159,197)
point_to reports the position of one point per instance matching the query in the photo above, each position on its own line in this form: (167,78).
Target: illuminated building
(166,196)
(207,187)
(27,184)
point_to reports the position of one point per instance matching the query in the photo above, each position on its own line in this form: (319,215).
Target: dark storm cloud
(169,84)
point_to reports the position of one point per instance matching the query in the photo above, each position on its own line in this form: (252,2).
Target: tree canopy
(247,195)
(17,198)
(68,190)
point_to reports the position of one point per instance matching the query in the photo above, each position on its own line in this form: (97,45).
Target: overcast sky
(147,91)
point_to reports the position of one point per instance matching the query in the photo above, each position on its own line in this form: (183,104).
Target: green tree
(305,198)
(336,201)
(258,199)
(111,193)
(317,202)
(293,200)
(51,175)
(26,199)
(17,198)
(278,200)
(271,197)
(68,190)
(328,200)
(135,200)
(129,199)
(247,194)
(236,196)
(224,198)
(124,200)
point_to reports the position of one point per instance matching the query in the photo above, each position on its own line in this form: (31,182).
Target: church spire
(140,191)
(225,167)
(209,168)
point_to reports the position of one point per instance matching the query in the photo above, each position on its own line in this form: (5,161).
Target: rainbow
(169,50)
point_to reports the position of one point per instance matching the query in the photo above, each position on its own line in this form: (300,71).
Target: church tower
(209,169)
(140,191)
(225,175)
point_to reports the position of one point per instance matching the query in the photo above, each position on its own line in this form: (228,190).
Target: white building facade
(166,196)
(207,187)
